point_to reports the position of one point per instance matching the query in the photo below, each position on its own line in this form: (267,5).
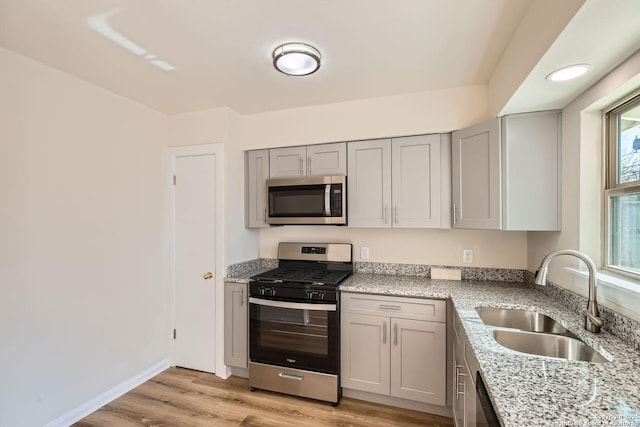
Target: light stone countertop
(529,390)
(526,390)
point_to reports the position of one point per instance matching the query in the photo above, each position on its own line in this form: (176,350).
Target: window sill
(620,293)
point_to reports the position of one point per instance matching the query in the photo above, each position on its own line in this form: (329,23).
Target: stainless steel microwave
(313,200)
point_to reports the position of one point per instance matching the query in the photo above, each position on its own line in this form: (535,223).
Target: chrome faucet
(592,321)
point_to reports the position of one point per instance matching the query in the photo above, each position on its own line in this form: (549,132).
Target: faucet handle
(592,323)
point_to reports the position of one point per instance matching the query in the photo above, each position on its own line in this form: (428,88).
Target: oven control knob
(267,291)
(316,295)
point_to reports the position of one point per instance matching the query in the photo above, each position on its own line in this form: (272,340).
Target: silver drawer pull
(384,333)
(290,376)
(389,307)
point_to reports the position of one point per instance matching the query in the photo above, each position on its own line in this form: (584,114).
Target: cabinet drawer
(401,307)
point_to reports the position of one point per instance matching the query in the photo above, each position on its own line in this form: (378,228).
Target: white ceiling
(221,49)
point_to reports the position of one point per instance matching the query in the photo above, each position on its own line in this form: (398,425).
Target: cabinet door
(418,360)
(416,181)
(476,176)
(364,353)
(531,171)
(459,384)
(257,173)
(327,159)
(236,334)
(289,162)
(369,185)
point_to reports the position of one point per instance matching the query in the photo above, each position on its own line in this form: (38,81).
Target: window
(622,193)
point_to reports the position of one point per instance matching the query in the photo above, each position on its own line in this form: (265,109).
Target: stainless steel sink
(525,320)
(547,345)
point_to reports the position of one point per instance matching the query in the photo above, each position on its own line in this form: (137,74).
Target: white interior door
(195,260)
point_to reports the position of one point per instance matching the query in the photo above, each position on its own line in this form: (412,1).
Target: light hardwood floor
(181,397)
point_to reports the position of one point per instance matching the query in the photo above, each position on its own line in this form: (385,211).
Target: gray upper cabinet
(257,173)
(369,183)
(420,184)
(327,159)
(312,160)
(506,173)
(400,182)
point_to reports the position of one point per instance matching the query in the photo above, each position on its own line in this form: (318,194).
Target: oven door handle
(293,305)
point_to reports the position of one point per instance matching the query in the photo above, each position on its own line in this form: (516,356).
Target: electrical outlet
(467,256)
(364,253)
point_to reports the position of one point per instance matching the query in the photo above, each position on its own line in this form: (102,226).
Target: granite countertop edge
(526,390)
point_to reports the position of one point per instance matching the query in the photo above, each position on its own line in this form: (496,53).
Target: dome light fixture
(568,73)
(296,59)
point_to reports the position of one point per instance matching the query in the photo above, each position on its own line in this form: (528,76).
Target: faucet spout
(593,322)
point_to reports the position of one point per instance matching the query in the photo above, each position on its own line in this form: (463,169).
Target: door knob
(208,275)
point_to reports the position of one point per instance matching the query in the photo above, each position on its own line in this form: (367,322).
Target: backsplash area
(421,270)
(625,328)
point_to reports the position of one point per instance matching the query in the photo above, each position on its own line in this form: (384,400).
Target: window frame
(612,188)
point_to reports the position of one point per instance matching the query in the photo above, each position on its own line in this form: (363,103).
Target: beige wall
(496,249)
(83,241)
(418,113)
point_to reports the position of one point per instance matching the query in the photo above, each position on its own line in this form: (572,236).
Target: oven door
(303,335)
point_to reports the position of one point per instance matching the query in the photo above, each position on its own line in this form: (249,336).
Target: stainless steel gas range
(294,321)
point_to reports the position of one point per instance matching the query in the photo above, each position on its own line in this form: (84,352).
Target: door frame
(217,150)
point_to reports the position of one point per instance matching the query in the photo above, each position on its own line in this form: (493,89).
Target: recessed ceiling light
(296,59)
(568,73)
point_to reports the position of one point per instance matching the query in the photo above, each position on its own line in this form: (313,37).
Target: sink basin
(547,345)
(524,320)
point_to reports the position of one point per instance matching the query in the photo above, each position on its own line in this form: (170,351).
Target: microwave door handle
(327,200)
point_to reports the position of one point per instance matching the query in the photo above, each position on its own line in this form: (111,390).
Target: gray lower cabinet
(236,320)
(463,379)
(394,346)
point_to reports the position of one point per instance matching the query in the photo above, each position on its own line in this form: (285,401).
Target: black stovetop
(303,275)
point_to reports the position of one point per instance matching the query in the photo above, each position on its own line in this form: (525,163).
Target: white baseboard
(99,401)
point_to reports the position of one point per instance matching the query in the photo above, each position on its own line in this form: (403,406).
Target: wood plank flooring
(181,397)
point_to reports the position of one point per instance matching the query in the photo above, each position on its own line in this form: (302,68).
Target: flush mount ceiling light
(296,59)
(568,73)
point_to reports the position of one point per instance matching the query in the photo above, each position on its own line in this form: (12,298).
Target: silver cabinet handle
(264,217)
(384,214)
(395,214)
(454,213)
(241,297)
(458,383)
(288,376)
(389,307)
(301,166)
(455,380)
(309,165)
(395,334)
(384,333)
